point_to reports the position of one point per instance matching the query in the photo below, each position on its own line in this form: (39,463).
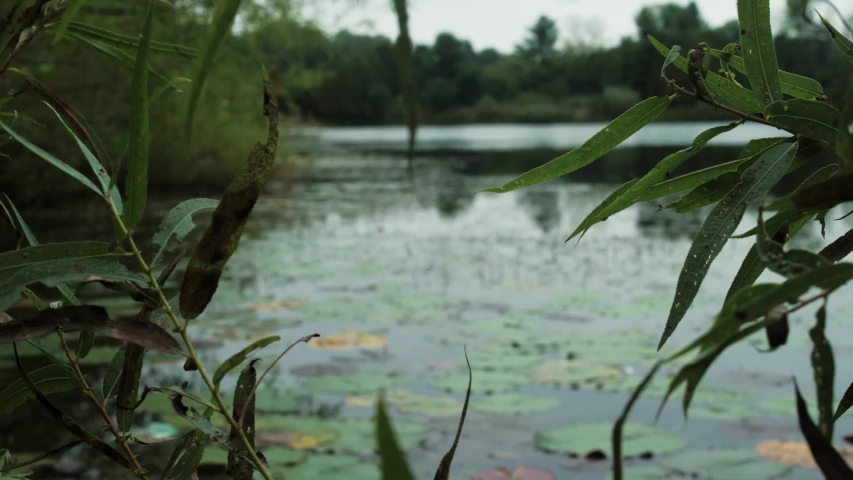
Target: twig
(90,394)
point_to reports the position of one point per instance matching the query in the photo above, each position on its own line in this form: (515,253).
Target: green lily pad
(359,383)
(408,402)
(644,473)
(784,406)
(725,465)
(214,455)
(330,467)
(271,401)
(564,373)
(596,437)
(487,382)
(499,359)
(295,433)
(357,436)
(285,457)
(513,404)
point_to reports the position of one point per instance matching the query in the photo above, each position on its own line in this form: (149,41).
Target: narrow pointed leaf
(49,380)
(828,460)
(443,471)
(595,215)
(127,392)
(602,142)
(112,375)
(789,264)
(39,458)
(759,53)
(235,360)
(823,365)
(85,343)
(826,194)
(392,458)
(68,423)
(844,141)
(239,465)
(720,86)
(178,223)
(16,260)
(121,57)
(53,272)
(64,167)
(838,249)
(222,237)
(792,84)
(843,43)
(186,457)
(655,176)
(137,160)
(129,44)
(674,54)
(845,403)
(62,365)
(75,319)
(687,181)
(69,15)
(223,19)
(721,223)
(810,118)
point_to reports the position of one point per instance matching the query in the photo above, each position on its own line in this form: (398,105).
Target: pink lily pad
(520,473)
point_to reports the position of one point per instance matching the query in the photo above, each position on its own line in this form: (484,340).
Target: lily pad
(320,369)
(585,438)
(499,359)
(513,404)
(285,457)
(519,473)
(271,401)
(295,433)
(564,373)
(359,383)
(793,454)
(408,402)
(725,464)
(330,467)
(357,436)
(644,473)
(488,382)
(348,340)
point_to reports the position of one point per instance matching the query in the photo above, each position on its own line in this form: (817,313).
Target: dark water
(416,264)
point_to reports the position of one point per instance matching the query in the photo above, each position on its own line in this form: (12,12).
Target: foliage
(791,103)
(122,266)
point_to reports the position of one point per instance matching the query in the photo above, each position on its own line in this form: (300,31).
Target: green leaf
(78,318)
(16,260)
(222,237)
(178,223)
(64,167)
(137,161)
(69,15)
(113,373)
(392,458)
(235,360)
(64,366)
(84,343)
(619,426)
(121,57)
(674,54)
(595,215)
(658,173)
(809,118)
(129,44)
(842,42)
(792,84)
(789,264)
(127,394)
(12,15)
(717,84)
(53,272)
(223,19)
(845,403)
(239,466)
(186,457)
(831,463)
(721,223)
(443,471)
(823,365)
(844,141)
(687,181)
(50,379)
(759,53)
(602,142)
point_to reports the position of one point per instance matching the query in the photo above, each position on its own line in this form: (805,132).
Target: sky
(501,24)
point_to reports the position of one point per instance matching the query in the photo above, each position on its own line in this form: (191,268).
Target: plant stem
(89,393)
(191,353)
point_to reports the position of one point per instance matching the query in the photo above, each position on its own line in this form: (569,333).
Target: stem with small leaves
(90,394)
(181,328)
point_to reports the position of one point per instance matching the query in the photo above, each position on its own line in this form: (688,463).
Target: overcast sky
(501,24)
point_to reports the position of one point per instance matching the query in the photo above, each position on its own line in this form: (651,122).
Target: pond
(401,268)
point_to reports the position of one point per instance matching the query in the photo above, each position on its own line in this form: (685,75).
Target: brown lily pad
(348,340)
(275,306)
(795,454)
(520,473)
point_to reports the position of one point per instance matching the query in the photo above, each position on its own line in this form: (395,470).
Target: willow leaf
(178,223)
(595,215)
(843,43)
(223,19)
(720,86)
(137,160)
(687,181)
(602,142)
(809,118)
(50,379)
(829,461)
(128,386)
(129,44)
(823,365)
(844,141)
(186,456)
(69,15)
(239,466)
(113,373)
(655,176)
(721,223)
(759,52)
(792,84)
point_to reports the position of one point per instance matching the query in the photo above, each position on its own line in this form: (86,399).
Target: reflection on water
(429,265)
